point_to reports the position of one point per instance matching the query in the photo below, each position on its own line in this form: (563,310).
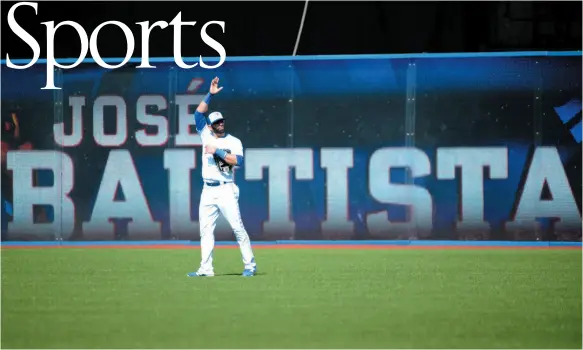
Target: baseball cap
(215,117)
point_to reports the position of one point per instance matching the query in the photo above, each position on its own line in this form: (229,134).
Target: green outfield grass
(132,298)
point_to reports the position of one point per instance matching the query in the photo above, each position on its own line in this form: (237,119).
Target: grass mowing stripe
(290,246)
(312,298)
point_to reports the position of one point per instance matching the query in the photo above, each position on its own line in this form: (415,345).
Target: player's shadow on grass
(236,274)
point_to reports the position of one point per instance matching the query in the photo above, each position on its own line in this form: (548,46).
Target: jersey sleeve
(200,121)
(205,135)
(201,126)
(237,148)
(237,151)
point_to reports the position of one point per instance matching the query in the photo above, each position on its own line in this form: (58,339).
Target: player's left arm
(234,158)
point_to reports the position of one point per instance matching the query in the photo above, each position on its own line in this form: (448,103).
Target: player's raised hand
(215,86)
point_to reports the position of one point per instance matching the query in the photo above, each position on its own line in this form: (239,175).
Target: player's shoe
(249,273)
(200,274)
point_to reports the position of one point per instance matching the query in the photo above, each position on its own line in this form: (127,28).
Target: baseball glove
(221,164)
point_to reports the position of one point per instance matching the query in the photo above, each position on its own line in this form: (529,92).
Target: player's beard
(218,129)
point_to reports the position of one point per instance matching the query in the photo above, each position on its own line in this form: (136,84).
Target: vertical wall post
(58,118)
(290,135)
(538,124)
(410,114)
(172,123)
(172,90)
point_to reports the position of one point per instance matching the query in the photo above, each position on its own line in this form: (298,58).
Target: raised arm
(203,107)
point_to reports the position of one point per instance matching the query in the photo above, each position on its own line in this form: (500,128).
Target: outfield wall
(399,147)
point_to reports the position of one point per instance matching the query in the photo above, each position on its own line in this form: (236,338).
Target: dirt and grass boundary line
(290,244)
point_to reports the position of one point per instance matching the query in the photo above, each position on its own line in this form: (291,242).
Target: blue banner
(343,147)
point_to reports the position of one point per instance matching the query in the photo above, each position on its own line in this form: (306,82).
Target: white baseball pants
(224,199)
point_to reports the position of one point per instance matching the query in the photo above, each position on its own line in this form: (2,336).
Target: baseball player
(221,153)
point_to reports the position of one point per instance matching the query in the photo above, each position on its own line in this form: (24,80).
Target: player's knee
(206,231)
(241,235)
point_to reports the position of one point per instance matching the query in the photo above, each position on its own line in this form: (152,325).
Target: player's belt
(217,183)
